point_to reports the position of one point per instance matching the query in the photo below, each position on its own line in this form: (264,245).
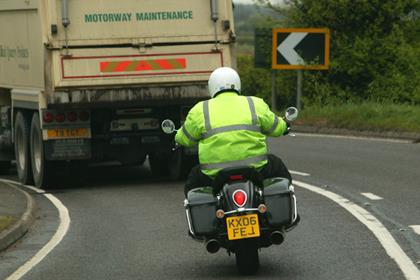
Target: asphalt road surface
(127,225)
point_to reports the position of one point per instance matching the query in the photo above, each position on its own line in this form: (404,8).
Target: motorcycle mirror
(168,126)
(291,114)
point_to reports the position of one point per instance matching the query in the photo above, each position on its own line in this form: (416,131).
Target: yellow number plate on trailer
(61,133)
(240,227)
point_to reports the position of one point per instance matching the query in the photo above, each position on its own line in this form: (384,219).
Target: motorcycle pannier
(201,211)
(280,201)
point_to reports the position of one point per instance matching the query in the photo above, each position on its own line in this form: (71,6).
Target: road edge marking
(54,241)
(387,241)
(416,228)
(299,173)
(372,196)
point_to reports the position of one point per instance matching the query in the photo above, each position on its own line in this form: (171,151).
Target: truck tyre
(23,159)
(247,259)
(181,164)
(159,164)
(41,169)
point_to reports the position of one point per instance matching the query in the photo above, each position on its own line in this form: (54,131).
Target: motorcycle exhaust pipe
(276,237)
(212,246)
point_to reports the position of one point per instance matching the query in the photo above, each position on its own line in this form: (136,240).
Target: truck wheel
(23,159)
(181,164)
(159,164)
(41,169)
(247,260)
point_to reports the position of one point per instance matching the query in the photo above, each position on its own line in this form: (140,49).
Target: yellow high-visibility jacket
(230,131)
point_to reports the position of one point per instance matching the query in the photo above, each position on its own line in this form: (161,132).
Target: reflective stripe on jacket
(231,131)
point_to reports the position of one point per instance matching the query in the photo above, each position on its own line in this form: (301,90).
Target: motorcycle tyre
(247,259)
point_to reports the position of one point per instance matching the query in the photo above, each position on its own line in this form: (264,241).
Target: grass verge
(6,221)
(366,116)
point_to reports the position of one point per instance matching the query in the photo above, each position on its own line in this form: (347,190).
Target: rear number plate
(240,227)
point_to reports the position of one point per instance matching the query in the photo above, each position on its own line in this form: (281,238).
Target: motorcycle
(241,212)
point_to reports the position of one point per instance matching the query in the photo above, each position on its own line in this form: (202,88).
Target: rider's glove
(288,129)
(176,146)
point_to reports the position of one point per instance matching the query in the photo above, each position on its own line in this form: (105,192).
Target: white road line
(55,240)
(416,228)
(19,184)
(299,173)
(371,196)
(391,247)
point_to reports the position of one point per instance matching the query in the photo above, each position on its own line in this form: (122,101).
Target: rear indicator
(60,117)
(84,116)
(48,117)
(262,208)
(220,213)
(240,198)
(72,116)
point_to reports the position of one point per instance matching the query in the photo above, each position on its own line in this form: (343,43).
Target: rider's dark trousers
(274,168)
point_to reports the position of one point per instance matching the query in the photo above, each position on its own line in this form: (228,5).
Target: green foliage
(6,221)
(257,81)
(363,116)
(263,51)
(375,49)
(372,57)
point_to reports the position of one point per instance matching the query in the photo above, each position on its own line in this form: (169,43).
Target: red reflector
(72,116)
(48,117)
(239,197)
(236,177)
(84,116)
(60,117)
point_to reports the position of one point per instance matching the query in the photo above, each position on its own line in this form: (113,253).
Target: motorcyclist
(231,131)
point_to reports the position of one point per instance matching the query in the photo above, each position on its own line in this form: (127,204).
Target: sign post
(299,89)
(300,49)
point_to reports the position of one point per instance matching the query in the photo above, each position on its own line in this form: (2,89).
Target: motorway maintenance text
(127,17)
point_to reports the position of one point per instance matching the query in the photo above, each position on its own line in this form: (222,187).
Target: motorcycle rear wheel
(247,259)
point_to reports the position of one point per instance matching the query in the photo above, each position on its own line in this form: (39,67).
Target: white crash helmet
(223,79)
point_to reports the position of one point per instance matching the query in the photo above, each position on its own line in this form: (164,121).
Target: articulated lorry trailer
(84,81)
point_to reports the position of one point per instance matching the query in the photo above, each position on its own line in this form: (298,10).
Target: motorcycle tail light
(239,197)
(236,177)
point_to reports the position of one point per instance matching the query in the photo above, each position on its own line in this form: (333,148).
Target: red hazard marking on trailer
(142,65)
(121,66)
